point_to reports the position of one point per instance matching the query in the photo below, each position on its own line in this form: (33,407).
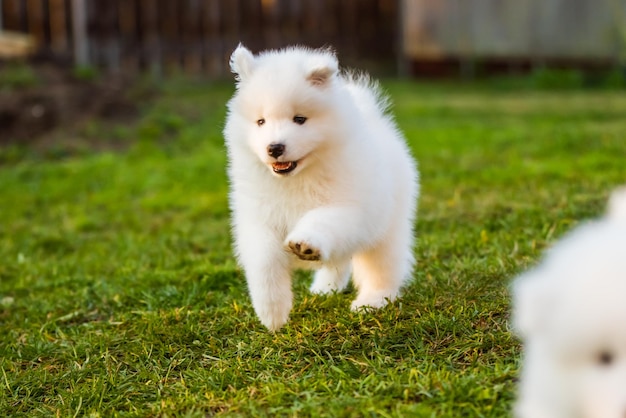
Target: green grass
(119,294)
(17,75)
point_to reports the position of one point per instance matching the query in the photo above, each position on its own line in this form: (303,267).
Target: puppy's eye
(260,122)
(605,358)
(299,119)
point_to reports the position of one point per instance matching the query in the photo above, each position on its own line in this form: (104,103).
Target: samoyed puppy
(320,177)
(571,314)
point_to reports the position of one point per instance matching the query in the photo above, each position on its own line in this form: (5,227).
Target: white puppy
(320,178)
(571,314)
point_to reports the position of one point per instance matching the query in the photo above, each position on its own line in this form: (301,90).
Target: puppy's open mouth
(284,167)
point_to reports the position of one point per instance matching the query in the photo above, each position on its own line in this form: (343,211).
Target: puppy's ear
(323,69)
(534,298)
(242,63)
(320,76)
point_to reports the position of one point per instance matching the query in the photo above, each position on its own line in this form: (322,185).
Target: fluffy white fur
(346,209)
(571,314)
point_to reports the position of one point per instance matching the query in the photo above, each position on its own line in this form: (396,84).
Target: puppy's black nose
(275,150)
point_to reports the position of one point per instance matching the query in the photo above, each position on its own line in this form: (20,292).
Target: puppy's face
(571,314)
(285,127)
(603,384)
(587,344)
(283,107)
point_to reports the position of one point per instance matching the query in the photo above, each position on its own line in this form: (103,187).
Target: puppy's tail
(617,204)
(367,93)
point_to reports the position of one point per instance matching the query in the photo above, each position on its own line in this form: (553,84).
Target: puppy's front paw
(304,251)
(373,299)
(274,316)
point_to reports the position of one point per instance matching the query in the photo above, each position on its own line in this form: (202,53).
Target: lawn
(119,294)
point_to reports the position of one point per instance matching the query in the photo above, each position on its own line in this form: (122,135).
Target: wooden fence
(198,35)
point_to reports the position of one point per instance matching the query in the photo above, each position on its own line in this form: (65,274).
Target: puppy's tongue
(284,167)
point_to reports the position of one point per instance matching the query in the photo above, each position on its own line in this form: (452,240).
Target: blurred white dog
(320,178)
(571,314)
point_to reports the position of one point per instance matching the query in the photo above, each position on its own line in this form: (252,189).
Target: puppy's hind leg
(331,278)
(380,272)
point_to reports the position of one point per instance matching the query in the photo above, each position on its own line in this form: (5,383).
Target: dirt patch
(37,101)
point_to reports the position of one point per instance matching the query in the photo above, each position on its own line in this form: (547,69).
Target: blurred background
(429,37)
(197,36)
(57,44)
